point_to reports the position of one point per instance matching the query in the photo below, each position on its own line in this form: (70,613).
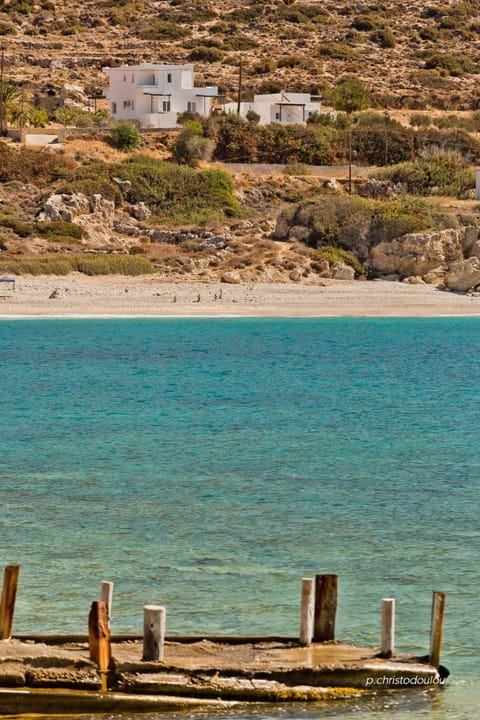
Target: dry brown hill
(413,54)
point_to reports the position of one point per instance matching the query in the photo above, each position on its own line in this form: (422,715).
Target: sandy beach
(119,296)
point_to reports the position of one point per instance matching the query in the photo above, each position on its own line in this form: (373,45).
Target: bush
(125,136)
(177,193)
(27,165)
(190,146)
(87,264)
(441,174)
(60,231)
(19,227)
(163,30)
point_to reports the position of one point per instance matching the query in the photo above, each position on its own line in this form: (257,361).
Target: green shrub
(335,254)
(383,37)
(441,174)
(87,264)
(19,227)
(206,54)
(163,30)
(338,51)
(455,65)
(60,231)
(125,136)
(177,193)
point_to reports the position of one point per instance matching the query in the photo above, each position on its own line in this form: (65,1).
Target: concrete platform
(52,673)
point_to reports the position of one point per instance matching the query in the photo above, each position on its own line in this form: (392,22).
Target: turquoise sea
(209,464)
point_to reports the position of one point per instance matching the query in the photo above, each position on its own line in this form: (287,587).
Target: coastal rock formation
(417,253)
(94,213)
(463,275)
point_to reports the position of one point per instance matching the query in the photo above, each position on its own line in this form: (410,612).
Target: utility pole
(3,123)
(350,162)
(239,97)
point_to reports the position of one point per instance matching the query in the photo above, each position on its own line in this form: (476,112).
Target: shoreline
(78,296)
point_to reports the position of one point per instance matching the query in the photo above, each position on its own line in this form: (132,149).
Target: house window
(166,106)
(114,108)
(126,103)
(192,107)
(277,116)
(133,105)
(124,78)
(133,77)
(169,77)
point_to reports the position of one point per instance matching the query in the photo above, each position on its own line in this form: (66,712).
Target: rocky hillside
(414,55)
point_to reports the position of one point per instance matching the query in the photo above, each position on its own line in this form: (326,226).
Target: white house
(284,107)
(156,94)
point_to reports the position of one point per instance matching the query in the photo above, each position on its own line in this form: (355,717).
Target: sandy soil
(79,295)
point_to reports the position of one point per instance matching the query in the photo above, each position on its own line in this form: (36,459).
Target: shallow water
(209,465)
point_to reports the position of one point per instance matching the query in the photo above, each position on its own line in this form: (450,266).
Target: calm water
(209,465)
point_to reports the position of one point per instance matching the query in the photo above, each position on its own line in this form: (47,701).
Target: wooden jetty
(104,673)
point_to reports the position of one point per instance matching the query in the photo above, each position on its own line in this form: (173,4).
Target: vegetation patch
(87,264)
(441,174)
(178,193)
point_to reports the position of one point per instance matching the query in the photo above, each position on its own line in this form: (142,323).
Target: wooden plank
(154,617)
(436,630)
(307,611)
(99,640)
(7,602)
(387,643)
(326,592)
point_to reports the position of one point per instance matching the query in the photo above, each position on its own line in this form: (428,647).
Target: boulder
(417,253)
(296,274)
(140,211)
(232,278)
(124,185)
(340,271)
(463,275)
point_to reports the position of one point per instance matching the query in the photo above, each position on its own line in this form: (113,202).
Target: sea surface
(209,464)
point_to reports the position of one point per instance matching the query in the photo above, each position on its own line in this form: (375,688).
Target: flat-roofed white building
(156,94)
(284,107)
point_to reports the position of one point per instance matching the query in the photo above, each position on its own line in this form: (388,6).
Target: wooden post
(7,602)
(326,591)
(307,611)
(99,640)
(106,595)
(387,644)
(438,612)
(153,632)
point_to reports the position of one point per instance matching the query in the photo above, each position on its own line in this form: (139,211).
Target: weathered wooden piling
(436,630)
(7,602)
(387,643)
(326,593)
(99,640)
(307,611)
(106,595)
(153,632)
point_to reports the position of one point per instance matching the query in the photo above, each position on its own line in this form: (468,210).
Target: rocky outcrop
(94,213)
(340,271)
(417,253)
(463,275)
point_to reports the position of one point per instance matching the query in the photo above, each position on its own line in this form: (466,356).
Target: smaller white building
(156,94)
(284,107)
